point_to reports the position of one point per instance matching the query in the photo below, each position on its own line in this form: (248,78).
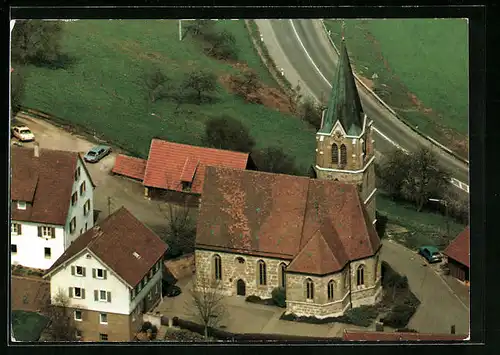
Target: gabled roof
(45,182)
(351,335)
(286,217)
(130,166)
(116,241)
(167,160)
(459,248)
(344,104)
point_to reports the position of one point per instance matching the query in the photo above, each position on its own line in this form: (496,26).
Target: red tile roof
(114,241)
(45,182)
(322,224)
(130,167)
(396,336)
(167,160)
(459,249)
(189,169)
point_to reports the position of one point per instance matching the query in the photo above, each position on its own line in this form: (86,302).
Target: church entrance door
(240,287)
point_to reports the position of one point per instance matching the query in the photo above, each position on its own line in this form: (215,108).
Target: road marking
(453,181)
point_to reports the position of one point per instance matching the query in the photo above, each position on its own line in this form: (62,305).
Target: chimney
(36,149)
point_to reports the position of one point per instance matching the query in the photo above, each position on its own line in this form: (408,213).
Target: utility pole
(180,30)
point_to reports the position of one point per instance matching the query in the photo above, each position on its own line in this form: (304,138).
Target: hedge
(362,316)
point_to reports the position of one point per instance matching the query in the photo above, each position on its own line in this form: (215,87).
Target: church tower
(344,143)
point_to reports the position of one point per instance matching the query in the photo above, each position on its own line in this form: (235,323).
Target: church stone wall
(232,271)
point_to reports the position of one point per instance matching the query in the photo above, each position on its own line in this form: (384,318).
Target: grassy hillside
(103,88)
(422,69)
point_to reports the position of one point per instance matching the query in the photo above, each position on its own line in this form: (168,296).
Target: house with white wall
(52,204)
(110,276)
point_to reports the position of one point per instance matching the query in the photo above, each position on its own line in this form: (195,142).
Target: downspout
(350,286)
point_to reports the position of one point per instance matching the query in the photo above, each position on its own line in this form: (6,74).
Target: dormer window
(21,205)
(186,186)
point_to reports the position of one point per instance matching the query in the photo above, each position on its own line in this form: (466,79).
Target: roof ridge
(304,214)
(197,146)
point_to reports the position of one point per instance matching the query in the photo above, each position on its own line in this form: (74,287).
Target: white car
(23,133)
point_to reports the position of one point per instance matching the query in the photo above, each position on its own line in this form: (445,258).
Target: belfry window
(343,154)
(335,154)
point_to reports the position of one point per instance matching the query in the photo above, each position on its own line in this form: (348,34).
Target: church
(315,238)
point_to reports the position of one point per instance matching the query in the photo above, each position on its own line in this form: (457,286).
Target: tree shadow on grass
(63,61)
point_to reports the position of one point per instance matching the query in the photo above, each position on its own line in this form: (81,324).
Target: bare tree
(206,303)
(201,82)
(61,323)
(156,84)
(181,229)
(247,85)
(199,28)
(294,97)
(425,179)
(221,45)
(310,112)
(393,172)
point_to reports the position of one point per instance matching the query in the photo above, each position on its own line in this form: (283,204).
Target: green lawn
(28,326)
(424,57)
(103,89)
(413,228)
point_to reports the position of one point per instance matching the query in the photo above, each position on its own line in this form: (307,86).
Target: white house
(111,275)
(52,204)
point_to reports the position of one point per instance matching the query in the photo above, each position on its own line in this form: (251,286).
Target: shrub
(253,299)
(279,297)
(183,335)
(362,316)
(406,330)
(399,316)
(146,326)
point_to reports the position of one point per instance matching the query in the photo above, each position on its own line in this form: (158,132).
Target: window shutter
(83,293)
(84,271)
(39,231)
(73,270)
(19,231)
(96,295)
(82,313)
(52,232)
(93,273)
(71,292)
(104,274)
(109,296)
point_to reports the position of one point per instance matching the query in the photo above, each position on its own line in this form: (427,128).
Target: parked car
(170,290)
(97,153)
(23,133)
(430,253)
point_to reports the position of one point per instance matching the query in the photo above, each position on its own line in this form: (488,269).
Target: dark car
(97,153)
(171,291)
(430,253)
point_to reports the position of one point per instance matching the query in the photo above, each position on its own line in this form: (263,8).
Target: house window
(282,275)
(103,337)
(335,154)
(151,273)
(77,173)
(102,296)
(343,155)
(100,273)
(74,198)
(103,318)
(240,260)
(15,228)
(217,267)
(48,253)
(132,293)
(309,289)
(83,188)
(78,315)
(360,276)
(13,248)
(143,282)
(21,205)
(262,272)
(331,287)
(79,271)
(72,225)
(86,226)
(86,209)
(78,292)
(149,296)
(78,333)
(46,232)
(363,146)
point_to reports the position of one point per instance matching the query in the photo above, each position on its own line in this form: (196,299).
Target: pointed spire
(345,105)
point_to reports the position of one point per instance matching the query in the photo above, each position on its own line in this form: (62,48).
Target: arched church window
(335,154)
(343,154)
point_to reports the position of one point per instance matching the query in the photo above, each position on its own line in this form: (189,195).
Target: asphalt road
(440,307)
(311,61)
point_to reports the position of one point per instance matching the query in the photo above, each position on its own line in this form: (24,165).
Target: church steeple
(344,105)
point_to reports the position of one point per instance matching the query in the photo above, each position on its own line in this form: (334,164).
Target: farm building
(176,172)
(458,253)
